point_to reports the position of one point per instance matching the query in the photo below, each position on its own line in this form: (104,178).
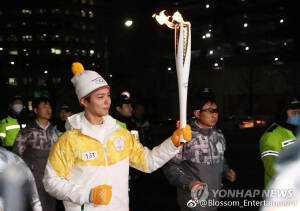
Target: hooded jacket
(83,158)
(33,144)
(200,159)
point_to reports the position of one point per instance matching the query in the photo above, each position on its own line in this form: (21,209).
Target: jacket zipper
(105,155)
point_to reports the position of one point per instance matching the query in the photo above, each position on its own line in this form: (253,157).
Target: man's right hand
(101,195)
(186,132)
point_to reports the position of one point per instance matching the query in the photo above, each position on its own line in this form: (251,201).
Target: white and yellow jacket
(79,161)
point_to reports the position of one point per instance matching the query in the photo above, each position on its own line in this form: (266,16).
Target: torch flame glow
(163,19)
(182,40)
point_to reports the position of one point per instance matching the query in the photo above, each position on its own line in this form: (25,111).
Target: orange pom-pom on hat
(77,68)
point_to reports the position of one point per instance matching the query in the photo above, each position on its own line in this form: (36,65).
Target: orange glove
(186,132)
(100,195)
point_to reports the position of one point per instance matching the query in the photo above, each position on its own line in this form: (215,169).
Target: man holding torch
(88,166)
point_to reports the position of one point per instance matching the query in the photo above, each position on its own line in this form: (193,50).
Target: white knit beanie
(86,81)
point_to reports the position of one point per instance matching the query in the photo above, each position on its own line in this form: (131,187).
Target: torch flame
(163,19)
(178,17)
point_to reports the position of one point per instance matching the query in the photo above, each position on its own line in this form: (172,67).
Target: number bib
(91,155)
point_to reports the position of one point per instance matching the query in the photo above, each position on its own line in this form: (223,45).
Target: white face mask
(17,108)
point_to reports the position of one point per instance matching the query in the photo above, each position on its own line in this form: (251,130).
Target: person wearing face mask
(11,125)
(279,136)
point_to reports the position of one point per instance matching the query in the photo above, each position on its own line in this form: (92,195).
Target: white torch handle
(183,70)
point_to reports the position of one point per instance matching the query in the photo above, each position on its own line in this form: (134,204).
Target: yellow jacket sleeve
(60,162)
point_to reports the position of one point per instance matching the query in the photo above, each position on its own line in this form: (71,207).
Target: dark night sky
(146,41)
(139,56)
(149,47)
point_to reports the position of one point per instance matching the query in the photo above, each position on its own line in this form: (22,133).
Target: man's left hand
(230,175)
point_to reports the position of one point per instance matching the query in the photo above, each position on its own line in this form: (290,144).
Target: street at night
(243,156)
(202,95)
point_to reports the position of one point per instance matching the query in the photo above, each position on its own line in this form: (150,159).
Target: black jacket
(200,159)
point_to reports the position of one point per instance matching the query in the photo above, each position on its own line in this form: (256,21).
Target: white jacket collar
(76,121)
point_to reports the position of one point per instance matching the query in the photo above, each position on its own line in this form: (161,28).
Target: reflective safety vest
(275,139)
(9,129)
(135,133)
(122,124)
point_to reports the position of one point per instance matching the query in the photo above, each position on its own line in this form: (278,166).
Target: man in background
(279,136)
(123,110)
(33,144)
(141,124)
(200,164)
(11,125)
(63,114)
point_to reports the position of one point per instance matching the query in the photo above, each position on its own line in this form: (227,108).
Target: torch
(182,57)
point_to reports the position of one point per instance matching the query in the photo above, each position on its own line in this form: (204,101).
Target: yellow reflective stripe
(3,135)
(11,127)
